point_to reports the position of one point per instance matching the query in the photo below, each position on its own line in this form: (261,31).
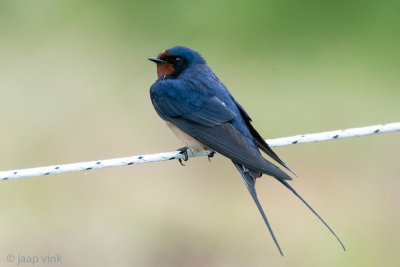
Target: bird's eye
(177,59)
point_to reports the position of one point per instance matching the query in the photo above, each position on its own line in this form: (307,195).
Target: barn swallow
(203,114)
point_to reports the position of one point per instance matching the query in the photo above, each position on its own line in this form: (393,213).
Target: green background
(74,86)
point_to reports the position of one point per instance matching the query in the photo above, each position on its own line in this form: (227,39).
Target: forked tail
(250,184)
(285,183)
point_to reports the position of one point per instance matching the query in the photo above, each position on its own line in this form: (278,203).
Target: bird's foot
(183,151)
(211,155)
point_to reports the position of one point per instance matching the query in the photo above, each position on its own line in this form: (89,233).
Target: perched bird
(203,114)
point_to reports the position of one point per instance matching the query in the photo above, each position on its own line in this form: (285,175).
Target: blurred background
(74,86)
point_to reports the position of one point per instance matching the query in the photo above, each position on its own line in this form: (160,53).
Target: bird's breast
(189,141)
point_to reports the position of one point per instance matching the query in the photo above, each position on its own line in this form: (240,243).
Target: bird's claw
(183,151)
(212,153)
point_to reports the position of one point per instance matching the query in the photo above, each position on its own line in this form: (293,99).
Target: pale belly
(189,141)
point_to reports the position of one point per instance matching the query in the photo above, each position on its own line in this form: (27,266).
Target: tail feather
(249,178)
(285,183)
(250,184)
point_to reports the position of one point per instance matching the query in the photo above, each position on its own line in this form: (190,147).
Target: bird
(203,114)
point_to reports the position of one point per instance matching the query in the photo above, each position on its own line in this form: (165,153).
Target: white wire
(332,135)
(291,140)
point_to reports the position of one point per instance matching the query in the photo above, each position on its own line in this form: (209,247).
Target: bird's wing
(228,141)
(211,112)
(207,119)
(259,140)
(175,101)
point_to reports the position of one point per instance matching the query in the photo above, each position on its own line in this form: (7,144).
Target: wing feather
(228,141)
(259,140)
(190,106)
(207,119)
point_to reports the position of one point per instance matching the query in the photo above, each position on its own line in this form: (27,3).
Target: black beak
(157,60)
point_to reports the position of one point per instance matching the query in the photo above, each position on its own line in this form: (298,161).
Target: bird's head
(175,60)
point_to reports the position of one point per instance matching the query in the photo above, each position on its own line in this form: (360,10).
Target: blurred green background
(74,86)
